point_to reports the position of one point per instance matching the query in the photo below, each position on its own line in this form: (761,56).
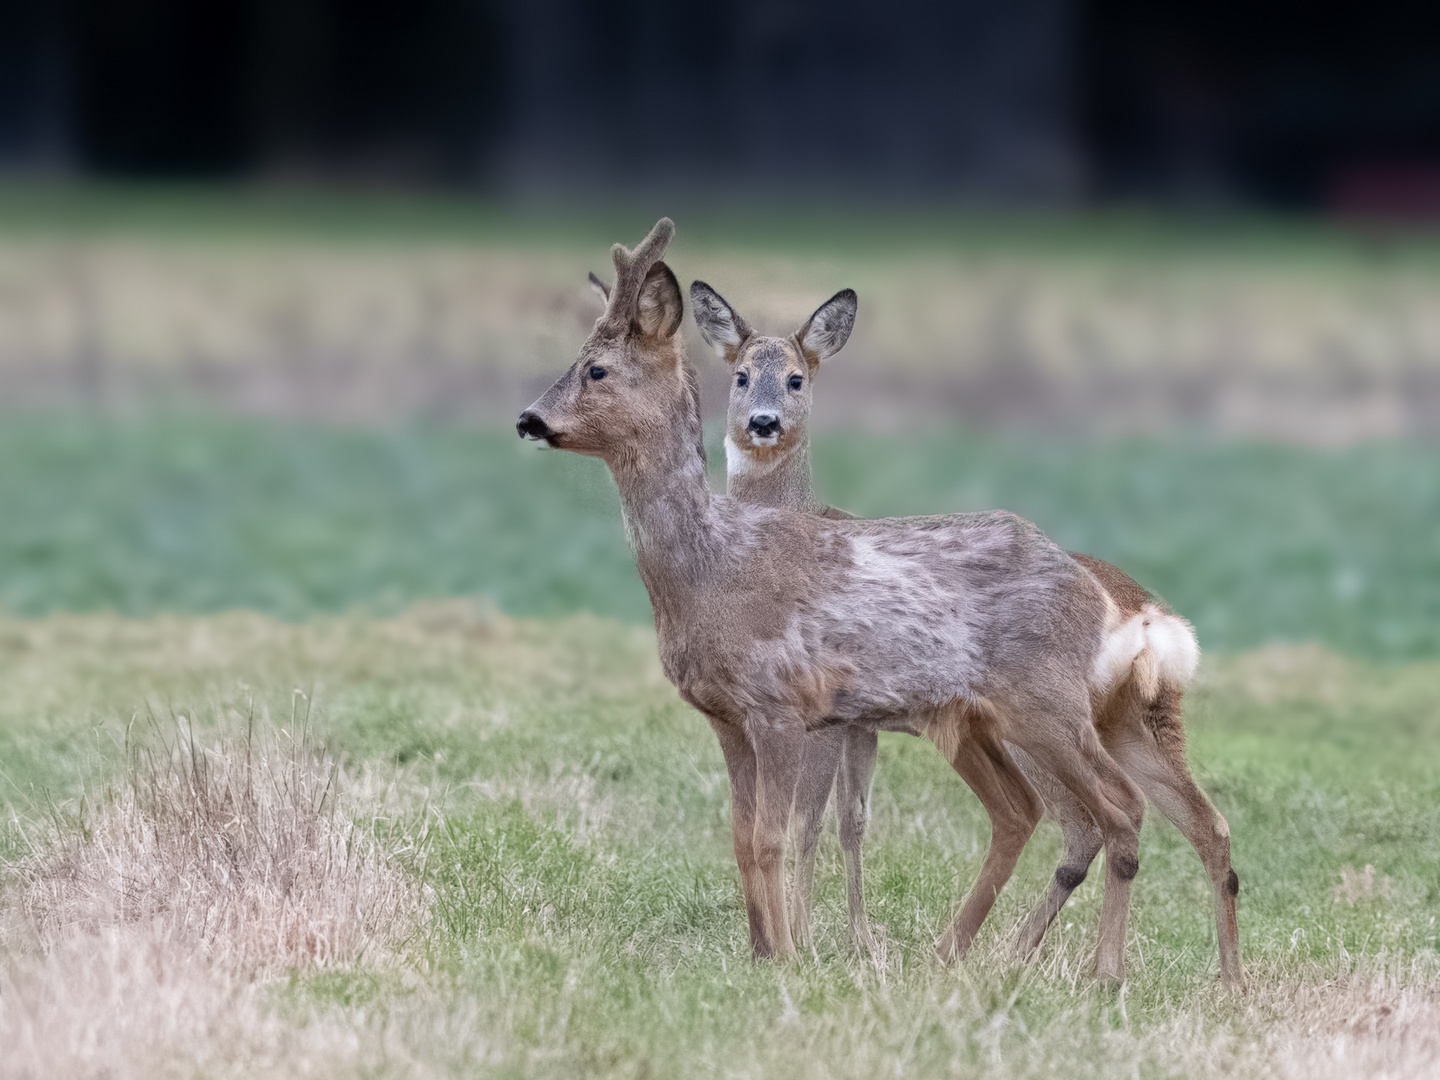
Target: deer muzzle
(763,425)
(532,426)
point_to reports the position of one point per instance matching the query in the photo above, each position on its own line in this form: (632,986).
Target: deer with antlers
(1135,693)
(776,623)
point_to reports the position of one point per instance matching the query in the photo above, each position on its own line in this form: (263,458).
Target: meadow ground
(521,833)
(332,735)
(569,904)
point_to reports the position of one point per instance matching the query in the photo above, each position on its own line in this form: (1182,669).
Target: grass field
(558,818)
(342,749)
(563,819)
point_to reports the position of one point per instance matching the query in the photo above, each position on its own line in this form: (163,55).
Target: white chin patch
(764,440)
(738,461)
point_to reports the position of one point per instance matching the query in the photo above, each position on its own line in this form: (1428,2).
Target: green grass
(1254,543)
(586,917)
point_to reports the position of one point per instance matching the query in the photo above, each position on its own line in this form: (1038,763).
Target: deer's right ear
(720,325)
(601,289)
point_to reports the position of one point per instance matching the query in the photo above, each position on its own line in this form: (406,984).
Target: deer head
(771,376)
(625,383)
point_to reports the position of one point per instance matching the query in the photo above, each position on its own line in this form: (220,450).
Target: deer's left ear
(661,307)
(825,333)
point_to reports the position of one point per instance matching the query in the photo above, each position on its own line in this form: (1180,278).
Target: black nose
(764,424)
(531,425)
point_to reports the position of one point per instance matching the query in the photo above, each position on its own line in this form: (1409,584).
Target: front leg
(779,749)
(857,769)
(812,793)
(740,763)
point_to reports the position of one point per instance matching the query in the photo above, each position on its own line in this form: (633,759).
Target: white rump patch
(1152,647)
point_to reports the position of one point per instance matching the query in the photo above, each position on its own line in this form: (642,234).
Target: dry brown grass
(141,934)
(129,1002)
(1312,1025)
(240,849)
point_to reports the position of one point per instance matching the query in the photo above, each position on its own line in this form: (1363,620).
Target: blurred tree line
(1025,101)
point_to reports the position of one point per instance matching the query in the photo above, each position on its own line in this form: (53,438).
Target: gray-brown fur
(1146,731)
(775,623)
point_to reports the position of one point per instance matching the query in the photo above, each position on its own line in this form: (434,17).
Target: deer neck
(782,481)
(670,517)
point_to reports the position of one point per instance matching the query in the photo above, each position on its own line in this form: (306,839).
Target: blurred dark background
(1267,103)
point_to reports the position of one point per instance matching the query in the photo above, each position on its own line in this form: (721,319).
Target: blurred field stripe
(192,513)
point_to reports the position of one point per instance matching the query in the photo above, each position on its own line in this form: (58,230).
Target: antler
(631,268)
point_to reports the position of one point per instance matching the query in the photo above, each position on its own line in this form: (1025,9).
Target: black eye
(742,380)
(796,382)
(597,373)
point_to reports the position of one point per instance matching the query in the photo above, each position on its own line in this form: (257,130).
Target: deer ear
(601,289)
(825,333)
(661,307)
(719,324)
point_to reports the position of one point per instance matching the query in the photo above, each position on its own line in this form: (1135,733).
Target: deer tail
(1153,647)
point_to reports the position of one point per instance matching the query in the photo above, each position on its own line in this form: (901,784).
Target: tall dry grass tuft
(242,849)
(139,937)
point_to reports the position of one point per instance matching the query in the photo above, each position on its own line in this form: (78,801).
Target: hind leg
(1154,754)
(823,750)
(1083,842)
(1068,748)
(852,800)
(984,763)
